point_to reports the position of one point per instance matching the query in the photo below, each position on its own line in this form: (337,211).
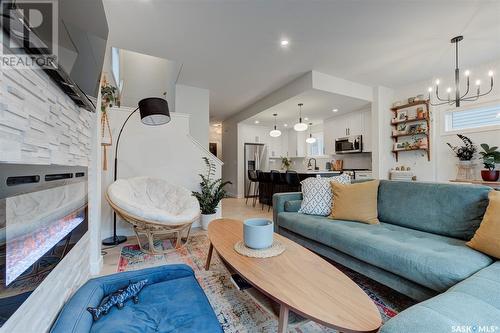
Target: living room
(250,166)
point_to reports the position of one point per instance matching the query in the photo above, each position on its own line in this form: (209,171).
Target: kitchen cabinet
(352,123)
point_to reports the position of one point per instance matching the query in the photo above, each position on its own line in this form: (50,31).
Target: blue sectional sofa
(172,301)
(417,249)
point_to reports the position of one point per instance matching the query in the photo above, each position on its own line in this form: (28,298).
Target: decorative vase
(206,219)
(465,170)
(258,233)
(490,175)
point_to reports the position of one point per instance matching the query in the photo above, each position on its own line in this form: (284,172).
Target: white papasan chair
(154,207)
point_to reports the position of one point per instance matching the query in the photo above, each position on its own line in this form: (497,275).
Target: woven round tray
(274,250)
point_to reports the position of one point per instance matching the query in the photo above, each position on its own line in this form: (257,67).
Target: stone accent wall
(38,123)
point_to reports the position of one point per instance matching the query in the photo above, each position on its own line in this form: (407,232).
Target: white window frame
(447,118)
(317,135)
(116,65)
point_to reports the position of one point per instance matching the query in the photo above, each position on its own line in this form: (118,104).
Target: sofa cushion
(453,210)
(177,305)
(473,305)
(433,261)
(317,194)
(355,202)
(487,237)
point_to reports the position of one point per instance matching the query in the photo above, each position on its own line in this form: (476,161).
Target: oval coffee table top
(300,279)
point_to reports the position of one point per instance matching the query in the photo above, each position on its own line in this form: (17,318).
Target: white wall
(382,157)
(442,166)
(195,102)
(146,76)
(167,152)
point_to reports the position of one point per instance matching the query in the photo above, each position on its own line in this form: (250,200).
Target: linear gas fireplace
(43,214)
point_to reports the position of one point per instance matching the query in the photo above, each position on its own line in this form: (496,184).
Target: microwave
(349,144)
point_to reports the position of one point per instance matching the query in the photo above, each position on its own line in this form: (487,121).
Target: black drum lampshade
(154,111)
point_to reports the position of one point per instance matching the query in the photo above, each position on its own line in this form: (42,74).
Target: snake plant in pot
(212,192)
(491,157)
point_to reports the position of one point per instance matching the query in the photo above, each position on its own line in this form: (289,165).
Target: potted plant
(491,156)
(212,192)
(465,152)
(285,163)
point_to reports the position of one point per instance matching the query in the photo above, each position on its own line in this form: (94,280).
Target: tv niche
(43,214)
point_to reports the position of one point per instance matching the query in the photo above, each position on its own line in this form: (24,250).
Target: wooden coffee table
(298,280)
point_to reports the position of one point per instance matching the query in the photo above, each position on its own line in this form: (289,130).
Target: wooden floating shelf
(412,149)
(409,134)
(409,105)
(412,120)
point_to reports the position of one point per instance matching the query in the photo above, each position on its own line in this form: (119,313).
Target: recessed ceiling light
(284,42)
(306,119)
(286,125)
(335,110)
(216,125)
(256,122)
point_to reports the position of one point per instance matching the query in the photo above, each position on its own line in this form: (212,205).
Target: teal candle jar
(258,233)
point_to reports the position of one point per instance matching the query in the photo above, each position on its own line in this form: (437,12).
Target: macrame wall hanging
(109,96)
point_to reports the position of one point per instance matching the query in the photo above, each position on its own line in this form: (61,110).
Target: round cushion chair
(154,207)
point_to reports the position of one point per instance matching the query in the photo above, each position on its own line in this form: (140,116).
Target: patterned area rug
(236,310)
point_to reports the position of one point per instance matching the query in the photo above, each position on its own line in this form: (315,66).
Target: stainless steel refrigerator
(256,158)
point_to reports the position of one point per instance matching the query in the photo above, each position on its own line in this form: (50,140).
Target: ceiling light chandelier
(300,126)
(459,98)
(275,132)
(310,139)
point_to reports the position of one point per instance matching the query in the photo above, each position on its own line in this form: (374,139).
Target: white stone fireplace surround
(39,124)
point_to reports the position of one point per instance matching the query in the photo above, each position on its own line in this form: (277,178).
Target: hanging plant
(109,97)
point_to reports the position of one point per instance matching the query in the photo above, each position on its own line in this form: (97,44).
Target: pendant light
(300,126)
(310,139)
(275,132)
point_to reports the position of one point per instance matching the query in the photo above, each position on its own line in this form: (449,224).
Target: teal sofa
(417,249)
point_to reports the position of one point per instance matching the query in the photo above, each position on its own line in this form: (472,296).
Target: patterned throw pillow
(117,298)
(317,194)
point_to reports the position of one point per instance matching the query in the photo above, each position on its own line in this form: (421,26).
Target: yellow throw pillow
(355,202)
(487,237)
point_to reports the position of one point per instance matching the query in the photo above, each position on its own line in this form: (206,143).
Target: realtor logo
(29,34)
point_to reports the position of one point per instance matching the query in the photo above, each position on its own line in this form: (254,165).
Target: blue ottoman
(172,301)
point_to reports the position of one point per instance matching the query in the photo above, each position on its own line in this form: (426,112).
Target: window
(316,148)
(485,116)
(115,64)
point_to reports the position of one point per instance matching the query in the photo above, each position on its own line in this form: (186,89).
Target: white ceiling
(232,47)
(318,106)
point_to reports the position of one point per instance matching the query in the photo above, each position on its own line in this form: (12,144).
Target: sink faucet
(309,165)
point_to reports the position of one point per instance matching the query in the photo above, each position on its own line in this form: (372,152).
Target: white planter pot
(206,219)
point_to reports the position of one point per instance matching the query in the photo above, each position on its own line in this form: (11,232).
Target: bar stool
(276,182)
(264,179)
(292,180)
(254,180)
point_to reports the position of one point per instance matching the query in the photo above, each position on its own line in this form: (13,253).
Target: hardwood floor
(232,208)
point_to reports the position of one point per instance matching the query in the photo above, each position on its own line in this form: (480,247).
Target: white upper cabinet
(352,123)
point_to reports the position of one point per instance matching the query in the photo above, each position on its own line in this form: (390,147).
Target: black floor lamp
(154,111)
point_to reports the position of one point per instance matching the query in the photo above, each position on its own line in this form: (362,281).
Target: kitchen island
(267,189)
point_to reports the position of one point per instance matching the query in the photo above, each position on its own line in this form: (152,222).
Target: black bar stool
(254,180)
(264,188)
(276,183)
(292,180)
